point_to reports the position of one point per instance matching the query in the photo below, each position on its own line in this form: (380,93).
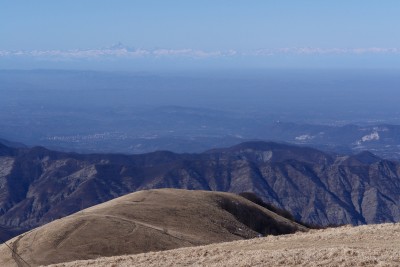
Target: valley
(139,112)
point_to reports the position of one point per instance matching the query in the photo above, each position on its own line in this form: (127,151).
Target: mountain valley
(40,185)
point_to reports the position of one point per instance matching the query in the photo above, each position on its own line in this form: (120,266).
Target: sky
(123,34)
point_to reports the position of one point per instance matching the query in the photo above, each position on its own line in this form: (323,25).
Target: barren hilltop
(151,220)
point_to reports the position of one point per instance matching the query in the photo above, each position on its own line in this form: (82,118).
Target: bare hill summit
(144,221)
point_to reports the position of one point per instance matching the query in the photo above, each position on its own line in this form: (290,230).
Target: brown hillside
(144,221)
(369,245)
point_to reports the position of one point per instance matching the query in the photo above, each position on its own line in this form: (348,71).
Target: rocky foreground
(372,245)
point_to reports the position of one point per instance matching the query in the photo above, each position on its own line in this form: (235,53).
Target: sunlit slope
(372,245)
(144,221)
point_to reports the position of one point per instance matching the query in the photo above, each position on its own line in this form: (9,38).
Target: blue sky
(342,32)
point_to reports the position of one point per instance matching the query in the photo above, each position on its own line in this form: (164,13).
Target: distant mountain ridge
(38,185)
(11,144)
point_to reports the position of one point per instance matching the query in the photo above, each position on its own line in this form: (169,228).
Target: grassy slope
(151,220)
(372,245)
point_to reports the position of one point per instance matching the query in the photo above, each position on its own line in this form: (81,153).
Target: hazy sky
(308,31)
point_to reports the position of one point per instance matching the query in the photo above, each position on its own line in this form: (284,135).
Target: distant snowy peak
(118,45)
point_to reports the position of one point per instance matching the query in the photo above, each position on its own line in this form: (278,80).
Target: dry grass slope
(151,220)
(373,245)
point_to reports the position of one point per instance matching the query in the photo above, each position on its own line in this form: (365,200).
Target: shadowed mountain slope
(144,221)
(38,186)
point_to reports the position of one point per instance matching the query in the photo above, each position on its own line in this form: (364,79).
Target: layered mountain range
(38,186)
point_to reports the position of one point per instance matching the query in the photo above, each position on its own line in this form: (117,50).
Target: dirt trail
(15,256)
(135,223)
